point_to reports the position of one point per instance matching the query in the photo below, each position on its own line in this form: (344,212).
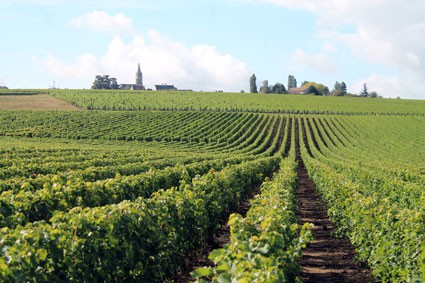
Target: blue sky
(215,45)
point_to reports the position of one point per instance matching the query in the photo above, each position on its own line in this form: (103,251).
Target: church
(139,82)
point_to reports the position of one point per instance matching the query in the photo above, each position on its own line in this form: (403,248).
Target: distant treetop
(253,84)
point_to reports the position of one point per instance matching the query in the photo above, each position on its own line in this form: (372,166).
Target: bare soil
(221,238)
(288,138)
(326,259)
(34,102)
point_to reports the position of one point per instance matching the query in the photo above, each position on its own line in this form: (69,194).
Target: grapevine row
(37,199)
(266,244)
(141,240)
(381,213)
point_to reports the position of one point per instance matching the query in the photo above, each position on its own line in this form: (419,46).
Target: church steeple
(139,76)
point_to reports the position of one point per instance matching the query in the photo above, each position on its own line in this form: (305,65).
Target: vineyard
(136,196)
(236,102)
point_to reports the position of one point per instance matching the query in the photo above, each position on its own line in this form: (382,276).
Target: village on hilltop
(105,82)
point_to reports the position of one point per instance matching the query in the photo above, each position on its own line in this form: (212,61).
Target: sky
(209,45)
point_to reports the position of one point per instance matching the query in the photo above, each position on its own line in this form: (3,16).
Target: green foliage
(313,90)
(63,192)
(317,89)
(104,82)
(292,82)
(265,245)
(364,92)
(374,198)
(373,94)
(93,196)
(278,88)
(6,91)
(235,102)
(253,84)
(340,89)
(265,87)
(387,237)
(145,239)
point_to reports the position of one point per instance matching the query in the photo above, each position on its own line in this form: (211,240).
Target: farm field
(235,102)
(131,196)
(33,102)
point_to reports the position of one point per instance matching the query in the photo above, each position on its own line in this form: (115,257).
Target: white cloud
(319,61)
(101,21)
(84,66)
(385,32)
(294,4)
(391,86)
(199,67)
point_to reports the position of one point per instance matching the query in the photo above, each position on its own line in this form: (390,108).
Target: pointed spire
(139,76)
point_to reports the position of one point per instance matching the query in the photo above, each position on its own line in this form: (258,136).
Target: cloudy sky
(215,44)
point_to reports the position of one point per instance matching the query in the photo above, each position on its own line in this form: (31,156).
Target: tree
(326,91)
(265,87)
(373,94)
(312,89)
(104,82)
(253,84)
(278,88)
(364,92)
(114,83)
(340,89)
(343,88)
(292,82)
(337,86)
(319,89)
(97,84)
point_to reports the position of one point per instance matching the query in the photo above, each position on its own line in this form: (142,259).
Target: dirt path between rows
(221,238)
(326,259)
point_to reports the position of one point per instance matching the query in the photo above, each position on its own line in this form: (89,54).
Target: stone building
(139,81)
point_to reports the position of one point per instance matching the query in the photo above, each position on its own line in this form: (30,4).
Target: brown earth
(34,102)
(221,238)
(326,259)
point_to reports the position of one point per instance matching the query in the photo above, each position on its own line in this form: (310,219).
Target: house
(298,90)
(131,87)
(165,87)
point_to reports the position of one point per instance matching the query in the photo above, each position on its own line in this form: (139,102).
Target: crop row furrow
(268,237)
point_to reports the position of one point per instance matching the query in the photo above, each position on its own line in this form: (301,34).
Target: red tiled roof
(297,89)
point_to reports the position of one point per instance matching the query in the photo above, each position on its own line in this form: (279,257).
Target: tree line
(105,82)
(340,88)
